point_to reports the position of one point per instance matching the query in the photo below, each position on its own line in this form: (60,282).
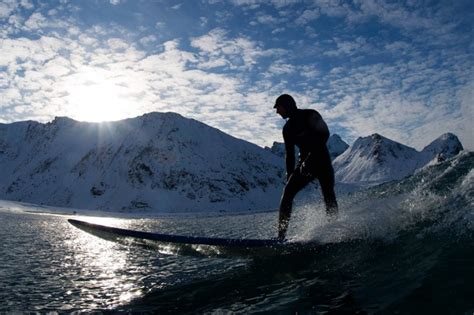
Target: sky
(403,69)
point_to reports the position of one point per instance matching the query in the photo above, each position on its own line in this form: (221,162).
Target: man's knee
(289,192)
(291,187)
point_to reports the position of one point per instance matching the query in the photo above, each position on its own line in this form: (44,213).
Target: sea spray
(441,194)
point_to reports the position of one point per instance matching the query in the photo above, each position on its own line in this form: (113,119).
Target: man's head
(285,105)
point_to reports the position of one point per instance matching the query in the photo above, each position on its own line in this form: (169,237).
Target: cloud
(397,15)
(203,21)
(254,4)
(6,8)
(217,49)
(56,67)
(280,68)
(168,81)
(23,52)
(160,25)
(398,47)
(410,102)
(278,30)
(211,41)
(308,16)
(410,87)
(88,40)
(309,71)
(27,4)
(147,40)
(117,44)
(14,22)
(266,19)
(465,117)
(336,9)
(171,60)
(35,21)
(358,45)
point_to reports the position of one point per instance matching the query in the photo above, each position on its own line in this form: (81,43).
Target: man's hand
(304,169)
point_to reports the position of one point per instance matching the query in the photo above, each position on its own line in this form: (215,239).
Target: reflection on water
(47,264)
(101,265)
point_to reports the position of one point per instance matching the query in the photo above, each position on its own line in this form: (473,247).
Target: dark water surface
(405,247)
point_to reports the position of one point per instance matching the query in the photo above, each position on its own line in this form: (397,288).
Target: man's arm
(289,156)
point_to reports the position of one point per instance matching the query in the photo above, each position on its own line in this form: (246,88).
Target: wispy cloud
(217,49)
(409,77)
(422,105)
(6,8)
(308,16)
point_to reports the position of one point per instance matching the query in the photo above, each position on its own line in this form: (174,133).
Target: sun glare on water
(95,98)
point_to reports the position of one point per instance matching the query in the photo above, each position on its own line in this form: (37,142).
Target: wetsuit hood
(288,102)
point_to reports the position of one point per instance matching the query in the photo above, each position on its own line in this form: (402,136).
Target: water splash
(437,197)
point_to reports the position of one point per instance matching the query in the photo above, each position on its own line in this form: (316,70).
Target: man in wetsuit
(307,130)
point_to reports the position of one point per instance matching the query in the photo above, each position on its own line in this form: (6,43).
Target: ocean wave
(437,198)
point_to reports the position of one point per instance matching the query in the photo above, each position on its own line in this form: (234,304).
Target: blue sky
(403,69)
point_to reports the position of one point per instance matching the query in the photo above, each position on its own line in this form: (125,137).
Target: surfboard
(167,238)
(180,244)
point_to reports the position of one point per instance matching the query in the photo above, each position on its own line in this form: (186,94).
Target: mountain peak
(373,159)
(377,137)
(336,146)
(160,161)
(376,159)
(444,147)
(161,115)
(63,120)
(379,147)
(446,139)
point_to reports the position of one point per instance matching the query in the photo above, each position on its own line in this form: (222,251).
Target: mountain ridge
(159,161)
(164,162)
(376,159)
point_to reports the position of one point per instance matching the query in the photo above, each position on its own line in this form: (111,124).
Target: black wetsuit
(307,130)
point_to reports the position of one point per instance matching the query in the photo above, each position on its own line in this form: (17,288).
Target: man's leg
(295,183)
(326,180)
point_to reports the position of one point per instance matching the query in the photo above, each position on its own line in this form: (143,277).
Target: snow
(161,162)
(442,148)
(375,159)
(336,146)
(166,163)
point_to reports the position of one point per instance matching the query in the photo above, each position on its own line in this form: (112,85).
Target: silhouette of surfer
(306,129)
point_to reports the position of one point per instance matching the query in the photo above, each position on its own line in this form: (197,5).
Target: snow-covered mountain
(159,161)
(336,147)
(375,159)
(164,162)
(444,147)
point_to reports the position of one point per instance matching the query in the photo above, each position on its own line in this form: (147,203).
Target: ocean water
(405,247)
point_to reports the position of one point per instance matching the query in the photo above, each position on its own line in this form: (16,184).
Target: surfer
(306,129)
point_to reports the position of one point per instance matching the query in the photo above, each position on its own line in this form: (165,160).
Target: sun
(94,97)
